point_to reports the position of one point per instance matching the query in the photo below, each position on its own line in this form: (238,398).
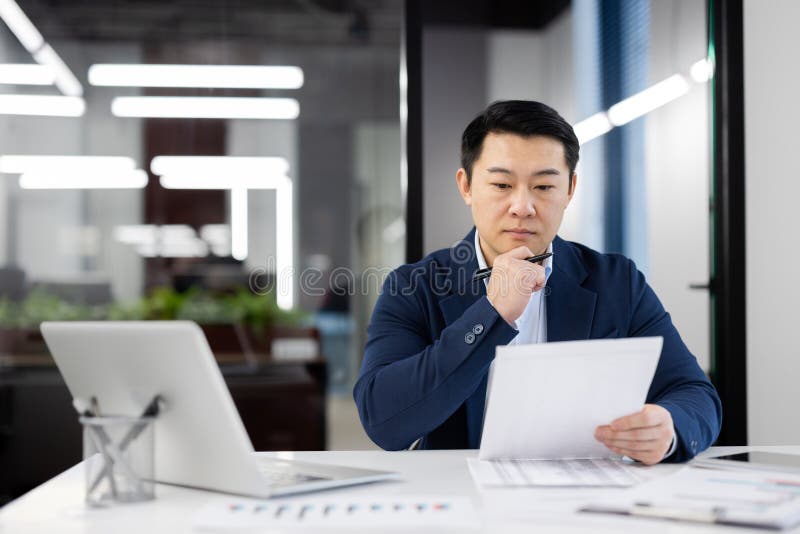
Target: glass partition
(229,163)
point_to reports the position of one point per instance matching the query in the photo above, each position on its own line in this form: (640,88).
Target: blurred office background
(267,203)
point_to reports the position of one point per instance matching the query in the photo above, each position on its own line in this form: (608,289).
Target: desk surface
(57,506)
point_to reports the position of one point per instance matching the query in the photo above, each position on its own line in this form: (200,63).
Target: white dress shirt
(532,324)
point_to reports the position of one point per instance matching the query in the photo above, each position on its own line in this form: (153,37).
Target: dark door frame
(411,126)
(727,284)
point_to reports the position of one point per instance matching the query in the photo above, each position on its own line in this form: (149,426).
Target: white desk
(57,505)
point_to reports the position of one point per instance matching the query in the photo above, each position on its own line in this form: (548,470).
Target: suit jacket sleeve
(679,384)
(411,383)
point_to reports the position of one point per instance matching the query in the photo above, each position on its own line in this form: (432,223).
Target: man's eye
(544,187)
(502,186)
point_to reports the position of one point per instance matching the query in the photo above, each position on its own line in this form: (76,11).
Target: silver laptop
(200,440)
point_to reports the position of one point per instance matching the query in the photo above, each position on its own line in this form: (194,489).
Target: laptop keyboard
(277,476)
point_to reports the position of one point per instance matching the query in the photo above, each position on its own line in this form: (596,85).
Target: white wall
(453,92)
(772,180)
(678,174)
(533,65)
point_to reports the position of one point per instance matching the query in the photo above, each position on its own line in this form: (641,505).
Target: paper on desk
(761,499)
(525,473)
(317,512)
(544,401)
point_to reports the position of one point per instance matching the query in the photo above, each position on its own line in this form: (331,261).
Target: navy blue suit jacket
(422,377)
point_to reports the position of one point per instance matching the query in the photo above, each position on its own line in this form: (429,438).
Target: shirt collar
(547,264)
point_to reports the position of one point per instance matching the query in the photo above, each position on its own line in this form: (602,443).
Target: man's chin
(534,242)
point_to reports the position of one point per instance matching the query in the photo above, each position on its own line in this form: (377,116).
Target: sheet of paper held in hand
(544,401)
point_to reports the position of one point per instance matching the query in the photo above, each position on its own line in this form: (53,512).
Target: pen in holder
(118,454)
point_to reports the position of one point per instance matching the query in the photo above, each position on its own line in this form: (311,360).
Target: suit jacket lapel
(570,307)
(463,291)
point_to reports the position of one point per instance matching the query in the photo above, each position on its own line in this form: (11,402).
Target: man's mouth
(519,232)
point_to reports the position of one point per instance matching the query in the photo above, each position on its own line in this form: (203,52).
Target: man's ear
(464,187)
(573,185)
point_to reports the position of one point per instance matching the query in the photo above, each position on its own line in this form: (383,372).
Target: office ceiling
(288,22)
(495,14)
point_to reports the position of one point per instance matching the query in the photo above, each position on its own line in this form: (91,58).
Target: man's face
(519,191)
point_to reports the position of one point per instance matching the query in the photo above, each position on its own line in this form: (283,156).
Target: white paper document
(317,512)
(589,472)
(544,401)
(757,499)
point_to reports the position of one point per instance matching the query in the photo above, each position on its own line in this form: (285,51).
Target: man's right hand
(512,282)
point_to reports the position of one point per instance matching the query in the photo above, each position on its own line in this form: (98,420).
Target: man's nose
(522,204)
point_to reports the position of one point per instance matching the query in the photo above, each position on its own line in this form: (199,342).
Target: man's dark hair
(525,118)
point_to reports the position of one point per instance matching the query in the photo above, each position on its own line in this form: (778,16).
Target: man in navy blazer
(434,330)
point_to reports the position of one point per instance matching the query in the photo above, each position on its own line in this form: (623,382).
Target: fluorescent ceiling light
(239,230)
(648,100)
(25,74)
(594,126)
(19,164)
(190,249)
(42,105)
(177,233)
(284,243)
(239,174)
(702,71)
(218,237)
(181,181)
(42,52)
(174,239)
(66,82)
(180,107)
(394,231)
(223,76)
(141,234)
(135,234)
(214,165)
(21,26)
(136,179)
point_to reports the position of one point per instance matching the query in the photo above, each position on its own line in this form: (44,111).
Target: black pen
(480,274)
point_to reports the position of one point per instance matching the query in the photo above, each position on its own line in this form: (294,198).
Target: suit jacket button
(477,329)
(469,339)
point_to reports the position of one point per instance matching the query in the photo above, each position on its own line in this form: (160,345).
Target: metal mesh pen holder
(119,459)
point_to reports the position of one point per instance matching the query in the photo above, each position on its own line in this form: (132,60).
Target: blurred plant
(207,308)
(7,313)
(164,303)
(128,311)
(39,306)
(257,312)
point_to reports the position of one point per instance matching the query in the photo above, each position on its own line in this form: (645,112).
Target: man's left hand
(645,436)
